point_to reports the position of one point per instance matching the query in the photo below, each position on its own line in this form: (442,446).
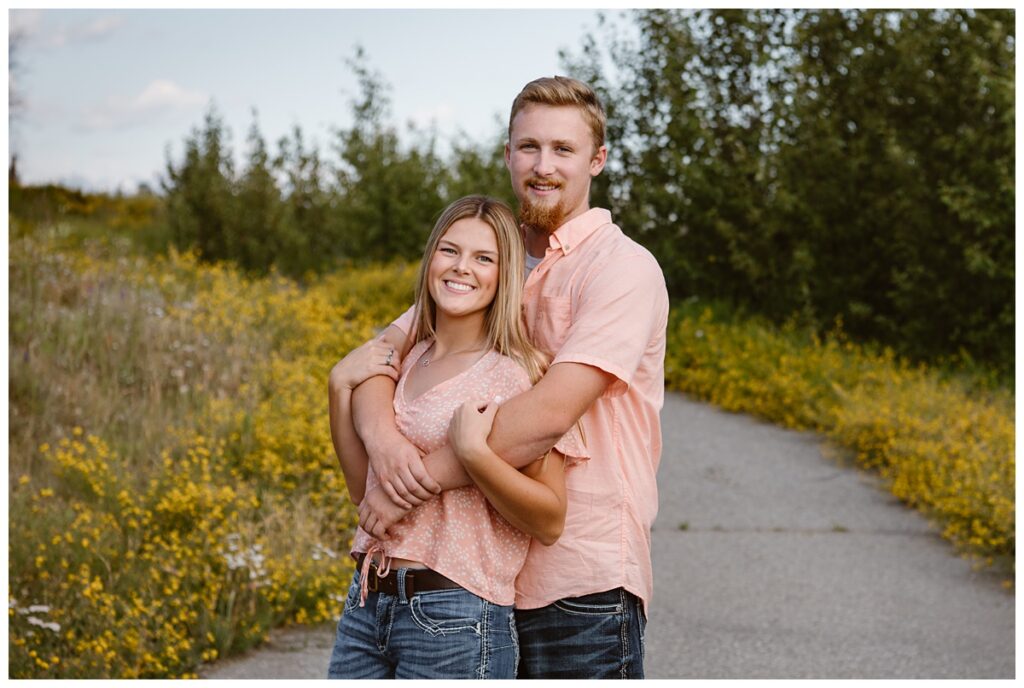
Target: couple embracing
(501,438)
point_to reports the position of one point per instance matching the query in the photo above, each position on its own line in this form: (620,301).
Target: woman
(434,600)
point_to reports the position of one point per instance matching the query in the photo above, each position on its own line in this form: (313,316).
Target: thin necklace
(425,361)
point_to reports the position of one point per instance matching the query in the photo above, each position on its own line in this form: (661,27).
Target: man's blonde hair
(505,331)
(563,91)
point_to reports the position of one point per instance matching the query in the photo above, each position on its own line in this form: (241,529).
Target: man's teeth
(457,286)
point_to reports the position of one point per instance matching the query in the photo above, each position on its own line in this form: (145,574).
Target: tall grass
(172,489)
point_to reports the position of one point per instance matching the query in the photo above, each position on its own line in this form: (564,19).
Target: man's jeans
(593,636)
(433,634)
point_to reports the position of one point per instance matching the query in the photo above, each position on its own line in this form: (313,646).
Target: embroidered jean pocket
(352,600)
(551,324)
(598,604)
(446,612)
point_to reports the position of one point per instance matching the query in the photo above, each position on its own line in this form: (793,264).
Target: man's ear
(598,161)
(508,156)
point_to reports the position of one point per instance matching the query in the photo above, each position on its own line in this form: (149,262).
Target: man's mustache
(537,181)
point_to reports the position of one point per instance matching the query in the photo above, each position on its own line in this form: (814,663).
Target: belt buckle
(373,585)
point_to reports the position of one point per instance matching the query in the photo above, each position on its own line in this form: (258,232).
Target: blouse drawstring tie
(383,569)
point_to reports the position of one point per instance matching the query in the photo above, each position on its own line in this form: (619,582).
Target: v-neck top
(458,533)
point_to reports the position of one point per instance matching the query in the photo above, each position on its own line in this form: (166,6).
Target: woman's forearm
(347,446)
(533,501)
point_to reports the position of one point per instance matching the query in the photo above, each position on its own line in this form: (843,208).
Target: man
(596,302)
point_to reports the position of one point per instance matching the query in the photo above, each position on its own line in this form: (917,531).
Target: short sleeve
(572,446)
(513,381)
(406,320)
(615,318)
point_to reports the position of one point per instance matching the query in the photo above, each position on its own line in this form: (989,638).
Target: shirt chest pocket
(551,323)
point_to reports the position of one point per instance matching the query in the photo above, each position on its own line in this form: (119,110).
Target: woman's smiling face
(463,273)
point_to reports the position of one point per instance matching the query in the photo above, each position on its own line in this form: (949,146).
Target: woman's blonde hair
(503,322)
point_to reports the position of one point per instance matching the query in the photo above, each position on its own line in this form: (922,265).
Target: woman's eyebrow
(453,244)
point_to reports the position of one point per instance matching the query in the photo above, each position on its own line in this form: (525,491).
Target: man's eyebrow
(557,142)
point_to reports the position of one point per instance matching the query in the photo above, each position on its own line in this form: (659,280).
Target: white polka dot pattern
(458,534)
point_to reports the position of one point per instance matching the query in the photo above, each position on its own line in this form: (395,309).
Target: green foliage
(851,164)
(199,192)
(138,219)
(388,195)
(296,213)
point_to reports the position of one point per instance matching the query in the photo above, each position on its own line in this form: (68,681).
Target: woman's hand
(372,358)
(469,428)
(377,513)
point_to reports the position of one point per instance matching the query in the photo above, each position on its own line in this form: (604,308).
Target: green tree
(307,209)
(388,194)
(836,164)
(478,169)
(257,232)
(200,198)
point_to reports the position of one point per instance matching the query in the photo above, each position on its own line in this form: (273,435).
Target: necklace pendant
(426,362)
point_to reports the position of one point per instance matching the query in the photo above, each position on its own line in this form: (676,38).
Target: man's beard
(542,218)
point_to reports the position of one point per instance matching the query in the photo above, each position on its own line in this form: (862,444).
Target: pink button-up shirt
(599,298)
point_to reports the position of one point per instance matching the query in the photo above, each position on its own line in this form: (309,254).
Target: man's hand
(398,464)
(377,513)
(469,428)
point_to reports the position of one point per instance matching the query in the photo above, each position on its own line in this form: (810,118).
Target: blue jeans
(433,634)
(593,636)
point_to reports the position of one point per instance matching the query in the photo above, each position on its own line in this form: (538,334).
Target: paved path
(774,560)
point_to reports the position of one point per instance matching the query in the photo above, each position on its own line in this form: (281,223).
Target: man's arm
(526,427)
(395,460)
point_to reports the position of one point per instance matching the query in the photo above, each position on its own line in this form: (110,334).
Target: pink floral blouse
(458,533)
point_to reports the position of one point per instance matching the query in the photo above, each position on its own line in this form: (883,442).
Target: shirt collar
(575,231)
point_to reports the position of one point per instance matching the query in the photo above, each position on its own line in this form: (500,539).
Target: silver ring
(391,354)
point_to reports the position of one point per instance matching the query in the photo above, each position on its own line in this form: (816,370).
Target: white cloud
(159,100)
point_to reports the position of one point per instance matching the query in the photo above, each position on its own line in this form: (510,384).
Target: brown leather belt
(416,580)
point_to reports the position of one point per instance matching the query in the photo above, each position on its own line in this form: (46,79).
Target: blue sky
(106,91)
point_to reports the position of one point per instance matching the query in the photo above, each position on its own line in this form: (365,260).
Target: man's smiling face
(551,159)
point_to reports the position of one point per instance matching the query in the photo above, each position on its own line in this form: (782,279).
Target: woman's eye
(486,259)
(448,250)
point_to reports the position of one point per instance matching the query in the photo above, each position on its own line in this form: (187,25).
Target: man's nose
(544,163)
